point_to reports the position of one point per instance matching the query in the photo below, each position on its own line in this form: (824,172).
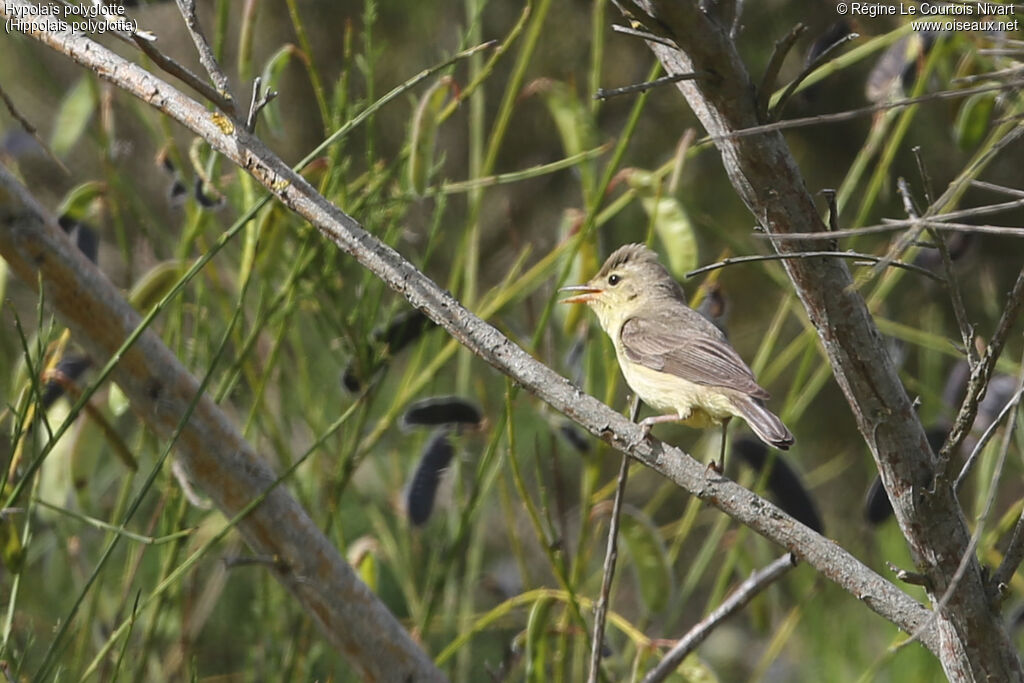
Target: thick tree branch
(975,645)
(210,447)
(250,154)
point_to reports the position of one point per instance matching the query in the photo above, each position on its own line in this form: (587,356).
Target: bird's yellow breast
(697,405)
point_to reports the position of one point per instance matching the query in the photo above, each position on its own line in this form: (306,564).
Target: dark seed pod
(164,161)
(576,437)
(69,369)
(403,329)
(877,507)
(833,34)
(350,380)
(958,243)
(714,306)
(177,193)
(82,235)
(419,496)
(204,199)
(1016,620)
(783,482)
(956,385)
(442,410)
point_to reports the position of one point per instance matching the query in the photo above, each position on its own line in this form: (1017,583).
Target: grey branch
(206,56)
(610,556)
(1011,559)
(484,340)
(979,379)
(744,593)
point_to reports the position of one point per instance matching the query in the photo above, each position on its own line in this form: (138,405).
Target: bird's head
(631,277)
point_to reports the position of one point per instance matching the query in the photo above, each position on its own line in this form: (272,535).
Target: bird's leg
(719,466)
(648,422)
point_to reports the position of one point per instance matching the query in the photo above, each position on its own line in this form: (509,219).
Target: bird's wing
(689,348)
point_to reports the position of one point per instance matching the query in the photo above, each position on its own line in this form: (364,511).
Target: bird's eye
(614,280)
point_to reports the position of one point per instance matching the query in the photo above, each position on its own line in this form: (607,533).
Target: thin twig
(626,30)
(942,221)
(1008,409)
(985,210)
(1000,52)
(182,73)
(603,94)
(946,226)
(856,113)
(610,557)
(771,72)
(257,103)
(31,130)
(1012,191)
(776,112)
(744,593)
(206,56)
(912,235)
(734,30)
(856,256)
(680,159)
(926,179)
(955,294)
(979,379)
(1012,558)
(991,75)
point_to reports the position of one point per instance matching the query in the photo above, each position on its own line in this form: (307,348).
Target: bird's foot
(645,432)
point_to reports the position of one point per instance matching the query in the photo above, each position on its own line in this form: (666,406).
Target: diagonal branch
(978,382)
(291,189)
(744,593)
(206,56)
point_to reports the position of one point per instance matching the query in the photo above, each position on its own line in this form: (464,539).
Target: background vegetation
(499,581)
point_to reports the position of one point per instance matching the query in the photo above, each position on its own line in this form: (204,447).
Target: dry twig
(744,593)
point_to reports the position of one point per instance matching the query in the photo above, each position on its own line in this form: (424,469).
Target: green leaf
(155,284)
(670,222)
(117,401)
(574,121)
(78,202)
(271,76)
(647,558)
(72,117)
(362,555)
(423,135)
(972,120)
(11,551)
(536,640)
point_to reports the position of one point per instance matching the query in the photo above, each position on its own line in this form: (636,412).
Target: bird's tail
(765,423)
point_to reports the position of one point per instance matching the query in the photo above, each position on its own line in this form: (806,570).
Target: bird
(676,360)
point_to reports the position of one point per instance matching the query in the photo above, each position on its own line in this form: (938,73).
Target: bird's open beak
(584,294)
